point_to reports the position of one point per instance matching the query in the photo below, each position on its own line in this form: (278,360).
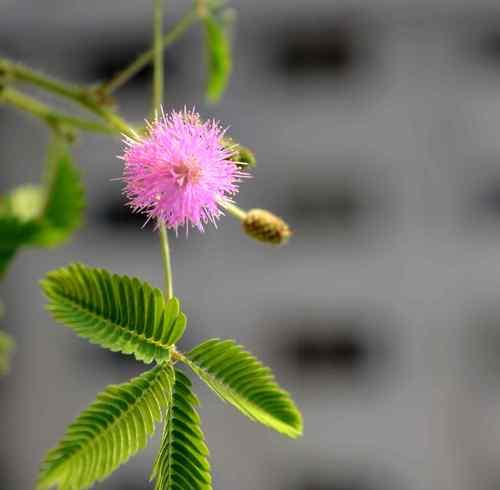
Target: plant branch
(76,94)
(24,74)
(116,121)
(49,115)
(122,77)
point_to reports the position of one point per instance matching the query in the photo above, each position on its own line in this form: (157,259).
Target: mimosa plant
(181,172)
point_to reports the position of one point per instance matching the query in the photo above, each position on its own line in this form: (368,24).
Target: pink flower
(180,171)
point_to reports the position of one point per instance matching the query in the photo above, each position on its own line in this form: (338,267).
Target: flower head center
(187,172)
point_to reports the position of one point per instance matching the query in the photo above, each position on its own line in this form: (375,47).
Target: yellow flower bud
(266,227)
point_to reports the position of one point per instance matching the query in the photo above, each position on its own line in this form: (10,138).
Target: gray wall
(376,124)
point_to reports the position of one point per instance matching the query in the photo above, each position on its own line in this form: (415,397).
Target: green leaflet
(219,63)
(240,379)
(6,347)
(182,462)
(117,312)
(111,430)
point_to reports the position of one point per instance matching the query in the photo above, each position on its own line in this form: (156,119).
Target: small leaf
(6,348)
(219,63)
(14,233)
(182,461)
(240,379)
(111,430)
(65,201)
(33,215)
(117,312)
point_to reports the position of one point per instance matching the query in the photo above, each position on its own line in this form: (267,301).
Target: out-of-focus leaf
(6,347)
(219,62)
(62,213)
(14,233)
(44,216)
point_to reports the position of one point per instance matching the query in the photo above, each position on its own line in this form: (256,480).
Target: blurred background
(376,125)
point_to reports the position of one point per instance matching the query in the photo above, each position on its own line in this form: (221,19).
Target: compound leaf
(240,379)
(111,430)
(116,312)
(182,461)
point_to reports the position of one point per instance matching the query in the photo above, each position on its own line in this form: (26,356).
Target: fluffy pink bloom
(180,170)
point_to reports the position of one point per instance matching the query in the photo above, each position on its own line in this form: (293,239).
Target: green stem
(122,77)
(158,75)
(167,264)
(52,117)
(157,101)
(235,211)
(178,356)
(117,122)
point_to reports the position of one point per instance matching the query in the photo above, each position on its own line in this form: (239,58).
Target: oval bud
(266,227)
(242,155)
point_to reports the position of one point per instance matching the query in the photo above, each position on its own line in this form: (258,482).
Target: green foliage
(43,216)
(182,461)
(65,200)
(219,62)
(111,430)
(6,347)
(14,233)
(240,379)
(117,312)
(127,315)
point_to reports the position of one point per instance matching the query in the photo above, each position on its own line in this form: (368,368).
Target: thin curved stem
(122,77)
(158,74)
(116,121)
(232,209)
